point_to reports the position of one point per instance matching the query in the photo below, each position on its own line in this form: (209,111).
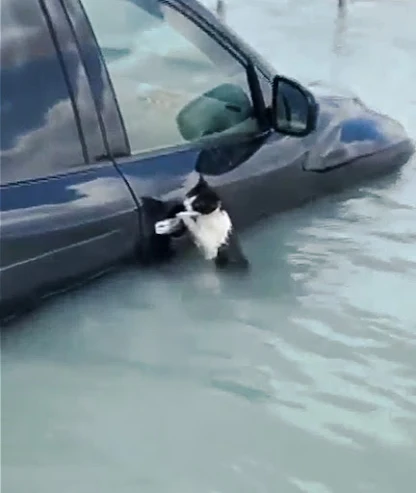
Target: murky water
(300,379)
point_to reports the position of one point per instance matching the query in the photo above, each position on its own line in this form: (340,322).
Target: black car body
(109,107)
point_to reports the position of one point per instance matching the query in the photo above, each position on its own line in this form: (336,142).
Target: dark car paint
(75,222)
(59,221)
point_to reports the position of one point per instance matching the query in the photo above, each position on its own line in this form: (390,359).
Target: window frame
(62,25)
(117,143)
(253,83)
(66,76)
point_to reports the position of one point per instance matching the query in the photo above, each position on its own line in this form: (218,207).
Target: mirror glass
(292,109)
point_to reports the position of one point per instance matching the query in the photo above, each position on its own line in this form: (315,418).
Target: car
(109,108)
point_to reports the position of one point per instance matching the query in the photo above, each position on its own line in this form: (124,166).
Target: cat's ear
(192,181)
(193,184)
(201,181)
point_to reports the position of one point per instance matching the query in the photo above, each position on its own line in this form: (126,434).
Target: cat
(211,228)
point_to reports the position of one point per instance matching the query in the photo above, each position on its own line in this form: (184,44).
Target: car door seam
(110,82)
(84,65)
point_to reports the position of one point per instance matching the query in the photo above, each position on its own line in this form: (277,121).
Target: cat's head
(202,198)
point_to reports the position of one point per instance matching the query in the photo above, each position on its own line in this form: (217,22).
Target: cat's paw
(187,214)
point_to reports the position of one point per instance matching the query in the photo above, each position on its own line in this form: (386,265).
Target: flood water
(302,378)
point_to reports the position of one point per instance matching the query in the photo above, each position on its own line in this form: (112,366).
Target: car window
(39,135)
(174,83)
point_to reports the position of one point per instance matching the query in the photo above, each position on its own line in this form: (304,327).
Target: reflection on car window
(174,83)
(39,135)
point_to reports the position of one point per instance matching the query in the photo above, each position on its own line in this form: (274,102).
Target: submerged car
(108,109)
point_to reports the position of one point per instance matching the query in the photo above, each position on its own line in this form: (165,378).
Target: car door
(65,210)
(191,103)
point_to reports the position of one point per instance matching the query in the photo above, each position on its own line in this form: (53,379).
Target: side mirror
(294,109)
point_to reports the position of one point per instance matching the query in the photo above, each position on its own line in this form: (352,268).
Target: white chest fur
(209,231)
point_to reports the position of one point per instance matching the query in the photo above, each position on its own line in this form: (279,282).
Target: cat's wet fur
(211,228)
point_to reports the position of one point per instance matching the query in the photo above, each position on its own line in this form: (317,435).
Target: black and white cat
(210,226)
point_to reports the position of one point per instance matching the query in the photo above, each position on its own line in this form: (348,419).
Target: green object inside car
(221,109)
